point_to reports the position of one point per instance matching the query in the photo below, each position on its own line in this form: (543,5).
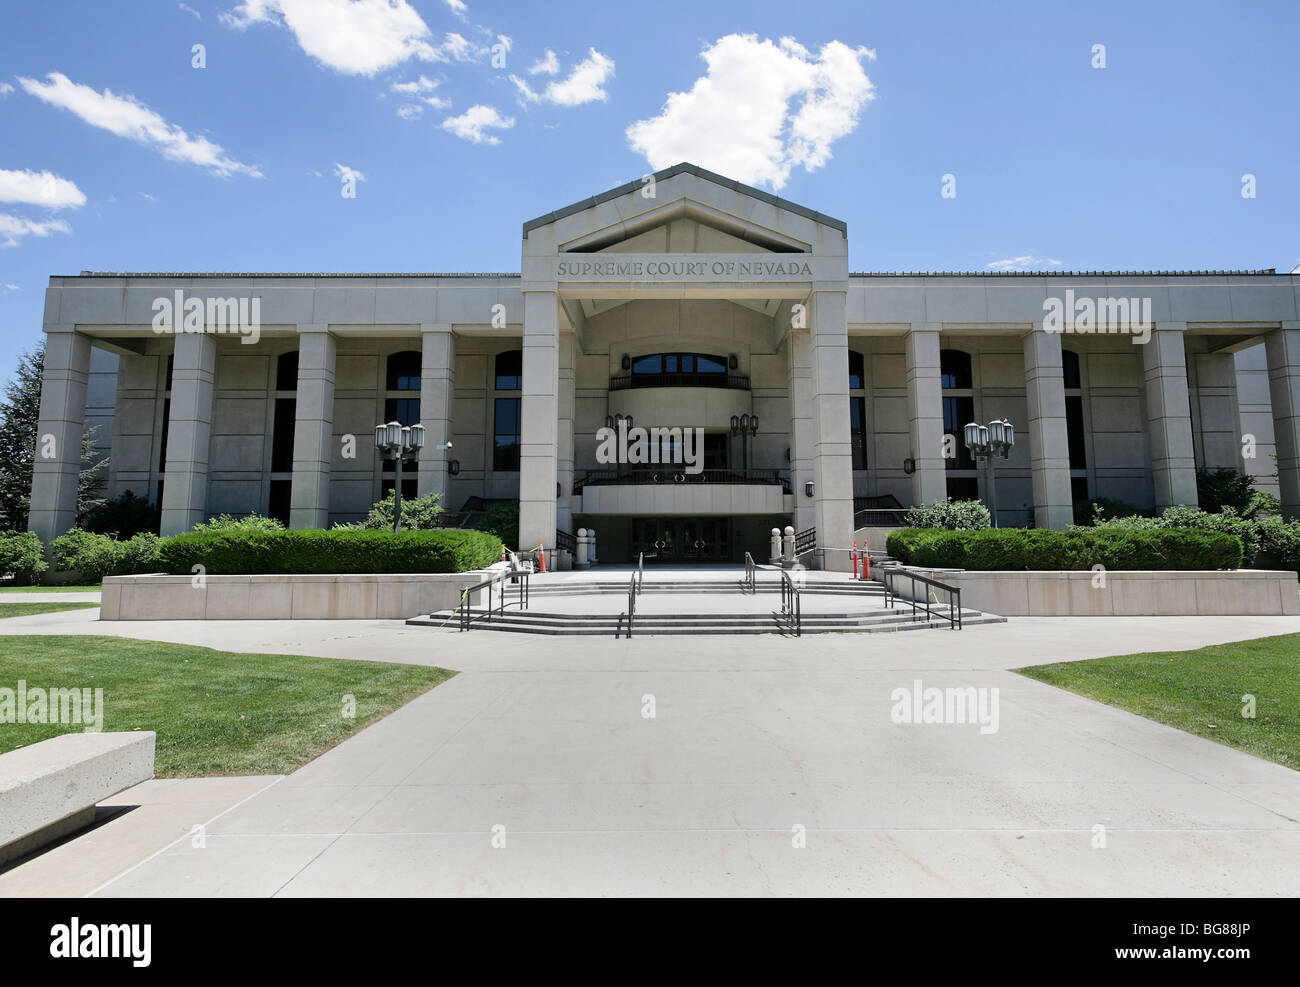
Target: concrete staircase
(767,584)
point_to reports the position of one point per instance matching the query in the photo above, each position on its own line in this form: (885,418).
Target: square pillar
(185,487)
(925,414)
(1282,349)
(313,430)
(1169,417)
(566,410)
(57,463)
(538,442)
(803,425)
(1216,421)
(832,449)
(437,409)
(1049,439)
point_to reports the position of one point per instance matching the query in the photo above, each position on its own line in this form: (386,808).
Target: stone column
(313,435)
(803,424)
(1282,348)
(437,410)
(538,443)
(1169,417)
(925,414)
(566,410)
(1049,440)
(58,433)
(1216,421)
(185,486)
(832,452)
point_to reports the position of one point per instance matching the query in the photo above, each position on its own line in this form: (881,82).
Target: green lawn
(1201,691)
(23,609)
(61,588)
(215,712)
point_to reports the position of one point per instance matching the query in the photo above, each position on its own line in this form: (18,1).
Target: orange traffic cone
(541,548)
(855,558)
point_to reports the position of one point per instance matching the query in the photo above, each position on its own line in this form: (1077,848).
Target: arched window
(954,366)
(404,371)
(286,371)
(857,371)
(510,371)
(1070,366)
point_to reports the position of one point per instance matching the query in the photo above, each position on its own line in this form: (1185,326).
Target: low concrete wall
(1138,593)
(284,596)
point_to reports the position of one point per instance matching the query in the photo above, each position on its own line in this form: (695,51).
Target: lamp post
(744,426)
(400,442)
(991,442)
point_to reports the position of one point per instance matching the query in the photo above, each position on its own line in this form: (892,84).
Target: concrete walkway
(755,745)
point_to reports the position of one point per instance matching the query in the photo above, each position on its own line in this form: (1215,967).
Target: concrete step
(576,588)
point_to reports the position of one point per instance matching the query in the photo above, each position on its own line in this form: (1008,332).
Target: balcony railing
(627,381)
(676,475)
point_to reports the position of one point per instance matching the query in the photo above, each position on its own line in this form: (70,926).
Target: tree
(20,413)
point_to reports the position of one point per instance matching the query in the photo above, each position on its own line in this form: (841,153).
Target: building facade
(681,302)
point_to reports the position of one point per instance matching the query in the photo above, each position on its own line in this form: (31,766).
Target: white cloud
(356,37)
(190,10)
(12,287)
(410,111)
(548,64)
(762,109)
(148,197)
(582,85)
(5,89)
(40,188)
(347,174)
(473,124)
(1026,262)
(126,116)
(425,90)
(14,228)
(457,7)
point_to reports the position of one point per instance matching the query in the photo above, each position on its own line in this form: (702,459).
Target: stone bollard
(776,545)
(591,546)
(580,558)
(787,544)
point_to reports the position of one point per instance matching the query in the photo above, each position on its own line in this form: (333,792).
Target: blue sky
(238,165)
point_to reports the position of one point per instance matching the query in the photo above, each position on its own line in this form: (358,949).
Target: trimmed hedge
(22,556)
(1078,548)
(235,551)
(96,556)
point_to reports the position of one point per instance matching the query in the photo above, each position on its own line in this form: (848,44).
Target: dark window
(857,372)
(286,371)
(963,488)
(715,450)
(279,505)
(954,366)
(510,370)
(653,364)
(404,371)
(679,363)
(403,410)
(159,501)
(167,423)
(1079,489)
(282,428)
(505,453)
(1070,368)
(409,488)
(1074,432)
(705,364)
(858,431)
(957,413)
(171,364)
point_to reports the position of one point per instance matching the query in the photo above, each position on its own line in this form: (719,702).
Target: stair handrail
(631,603)
(751,571)
(517,576)
(791,605)
(954,615)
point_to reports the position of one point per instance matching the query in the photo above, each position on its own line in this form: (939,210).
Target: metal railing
(517,576)
(791,605)
(805,541)
(953,616)
(565,542)
(675,473)
(626,381)
(751,571)
(880,517)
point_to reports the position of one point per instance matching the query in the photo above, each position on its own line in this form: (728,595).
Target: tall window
(286,371)
(282,429)
(404,371)
(1074,424)
(858,431)
(857,374)
(958,408)
(506,434)
(510,371)
(954,366)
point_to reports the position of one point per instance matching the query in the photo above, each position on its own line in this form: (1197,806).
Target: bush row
(1078,548)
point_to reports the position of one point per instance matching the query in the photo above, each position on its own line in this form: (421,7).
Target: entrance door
(681,539)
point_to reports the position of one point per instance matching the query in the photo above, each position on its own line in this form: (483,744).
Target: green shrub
(418,514)
(1079,548)
(340,550)
(1223,488)
(1229,522)
(503,521)
(1102,508)
(22,556)
(122,516)
(1279,543)
(952,515)
(96,556)
(249,522)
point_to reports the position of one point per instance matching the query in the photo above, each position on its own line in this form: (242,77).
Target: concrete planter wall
(1133,594)
(282,597)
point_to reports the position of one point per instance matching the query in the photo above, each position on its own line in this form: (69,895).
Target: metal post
(991,481)
(397,494)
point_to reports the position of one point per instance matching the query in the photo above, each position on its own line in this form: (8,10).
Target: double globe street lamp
(399,443)
(990,442)
(746,426)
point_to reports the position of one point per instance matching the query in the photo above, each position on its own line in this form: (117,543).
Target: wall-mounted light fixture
(626,362)
(733,361)
(810,488)
(909,466)
(453,467)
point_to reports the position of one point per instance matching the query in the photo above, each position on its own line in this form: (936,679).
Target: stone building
(681,301)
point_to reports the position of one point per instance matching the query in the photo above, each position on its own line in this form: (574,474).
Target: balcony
(628,381)
(675,475)
(668,491)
